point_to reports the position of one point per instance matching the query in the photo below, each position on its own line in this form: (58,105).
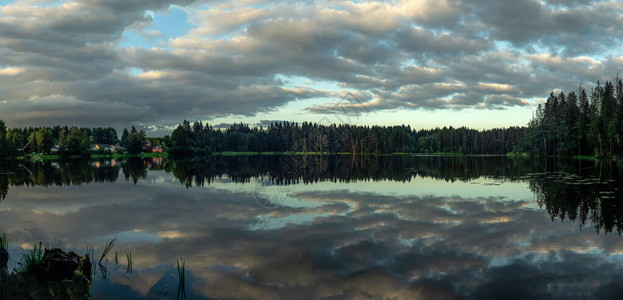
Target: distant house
(107,147)
(117,147)
(104,147)
(153,149)
(157,149)
(55,148)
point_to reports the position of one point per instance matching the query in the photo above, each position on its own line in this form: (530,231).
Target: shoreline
(51,157)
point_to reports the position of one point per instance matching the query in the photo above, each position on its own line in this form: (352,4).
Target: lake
(309,227)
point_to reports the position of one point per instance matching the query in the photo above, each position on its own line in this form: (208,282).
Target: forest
(15,142)
(196,138)
(579,125)
(565,125)
(343,138)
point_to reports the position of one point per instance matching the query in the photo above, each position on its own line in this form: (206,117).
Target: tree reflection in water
(366,238)
(582,191)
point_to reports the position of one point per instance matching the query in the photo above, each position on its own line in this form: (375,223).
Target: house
(157,149)
(104,147)
(117,147)
(55,148)
(153,149)
(107,147)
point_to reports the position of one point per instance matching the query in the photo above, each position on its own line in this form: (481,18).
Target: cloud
(11,71)
(395,55)
(334,241)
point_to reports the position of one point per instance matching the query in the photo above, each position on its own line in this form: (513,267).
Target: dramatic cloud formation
(155,63)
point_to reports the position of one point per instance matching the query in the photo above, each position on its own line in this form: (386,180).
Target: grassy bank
(233,153)
(516,154)
(44,157)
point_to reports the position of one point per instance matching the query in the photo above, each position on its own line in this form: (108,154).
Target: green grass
(31,261)
(584,157)
(125,155)
(24,281)
(44,157)
(516,154)
(412,153)
(4,243)
(234,153)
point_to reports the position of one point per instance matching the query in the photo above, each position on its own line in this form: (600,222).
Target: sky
(423,63)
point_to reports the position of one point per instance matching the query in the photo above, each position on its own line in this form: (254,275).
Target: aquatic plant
(48,274)
(128,256)
(91,255)
(116,258)
(4,255)
(102,267)
(181,273)
(4,243)
(106,250)
(31,261)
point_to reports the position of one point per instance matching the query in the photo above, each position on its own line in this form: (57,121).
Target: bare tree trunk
(600,144)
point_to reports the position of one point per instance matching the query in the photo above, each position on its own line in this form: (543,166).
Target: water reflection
(279,169)
(347,235)
(589,193)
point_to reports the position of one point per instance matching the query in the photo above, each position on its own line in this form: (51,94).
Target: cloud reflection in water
(327,240)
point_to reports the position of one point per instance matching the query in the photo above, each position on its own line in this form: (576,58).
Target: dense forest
(578,124)
(195,138)
(343,138)
(565,125)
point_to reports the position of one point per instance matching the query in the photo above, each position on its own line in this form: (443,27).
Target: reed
(103,269)
(106,250)
(181,273)
(128,257)
(31,260)
(4,243)
(91,256)
(116,257)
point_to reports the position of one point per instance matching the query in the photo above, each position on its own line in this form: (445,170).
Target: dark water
(292,227)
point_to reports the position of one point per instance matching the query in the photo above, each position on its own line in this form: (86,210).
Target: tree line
(196,138)
(579,124)
(565,125)
(286,136)
(70,140)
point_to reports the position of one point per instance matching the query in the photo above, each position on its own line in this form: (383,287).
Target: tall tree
(136,141)
(43,138)
(3,143)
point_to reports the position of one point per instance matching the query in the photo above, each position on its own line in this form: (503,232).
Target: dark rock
(59,265)
(4,257)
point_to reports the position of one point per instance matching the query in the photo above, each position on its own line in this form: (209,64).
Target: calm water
(334,227)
